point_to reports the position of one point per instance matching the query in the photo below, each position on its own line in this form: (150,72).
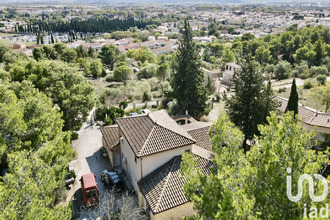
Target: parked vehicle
(90,193)
(112,180)
(104,152)
(145,111)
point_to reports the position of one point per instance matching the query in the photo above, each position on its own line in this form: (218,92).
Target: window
(135,159)
(88,194)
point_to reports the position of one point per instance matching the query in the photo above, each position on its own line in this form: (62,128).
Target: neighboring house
(229,72)
(150,148)
(184,119)
(110,139)
(312,120)
(19,46)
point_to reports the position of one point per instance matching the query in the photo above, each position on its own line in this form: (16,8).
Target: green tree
(3,50)
(147,71)
(188,77)
(262,55)
(319,50)
(110,54)
(321,94)
(282,70)
(38,53)
(36,154)
(59,47)
(251,102)
(49,52)
(65,85)
(321,79)
(91,52)
(293,99)
(81,52)
(163,71)
(142,54)
(122,73)
(94,68)
(69,55)
(253,185)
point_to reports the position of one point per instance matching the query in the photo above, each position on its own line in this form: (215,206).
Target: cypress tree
(293,99)
(188,78)
(52,38)
(38,38)
(252,101)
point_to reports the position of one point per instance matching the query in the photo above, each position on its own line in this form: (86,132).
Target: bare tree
(115,206)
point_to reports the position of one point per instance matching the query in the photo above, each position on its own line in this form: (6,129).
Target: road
(89,159)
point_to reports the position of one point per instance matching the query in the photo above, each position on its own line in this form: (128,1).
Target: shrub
(74,136)
(70,174)
(308,84)
(147,72)
(108,121)
(123,104)
(319,70)
(321,79)
(113,113)
(136,109)
(109,77)
(156,94)
(282,70)
(282,89)
(146,97)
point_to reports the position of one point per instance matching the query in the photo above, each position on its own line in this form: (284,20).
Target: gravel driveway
(89,159)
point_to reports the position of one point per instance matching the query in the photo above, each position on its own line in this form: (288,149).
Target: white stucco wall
(152,162)
(176,213)
(317,130)
(132,169)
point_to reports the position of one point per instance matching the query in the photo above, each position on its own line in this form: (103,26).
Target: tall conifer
(188,79)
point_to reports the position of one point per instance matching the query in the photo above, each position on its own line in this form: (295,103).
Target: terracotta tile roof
(307,115)
(200,132)
(153,133)
(111,136)
(163,188)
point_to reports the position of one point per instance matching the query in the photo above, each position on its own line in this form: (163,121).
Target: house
(311,119)
(19,46)
(229,72)
(162,190)
(150,148)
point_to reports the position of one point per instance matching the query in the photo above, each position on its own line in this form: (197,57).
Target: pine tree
(188,79)
(293,99)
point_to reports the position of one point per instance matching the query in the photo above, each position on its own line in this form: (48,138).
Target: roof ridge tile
(165,184)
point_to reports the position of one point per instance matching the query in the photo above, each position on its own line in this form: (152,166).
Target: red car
(90,193)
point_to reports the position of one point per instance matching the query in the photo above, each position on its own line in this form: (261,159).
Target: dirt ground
(89,159)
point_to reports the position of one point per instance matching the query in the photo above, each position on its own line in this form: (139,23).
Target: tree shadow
(97,163)
(76,202)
